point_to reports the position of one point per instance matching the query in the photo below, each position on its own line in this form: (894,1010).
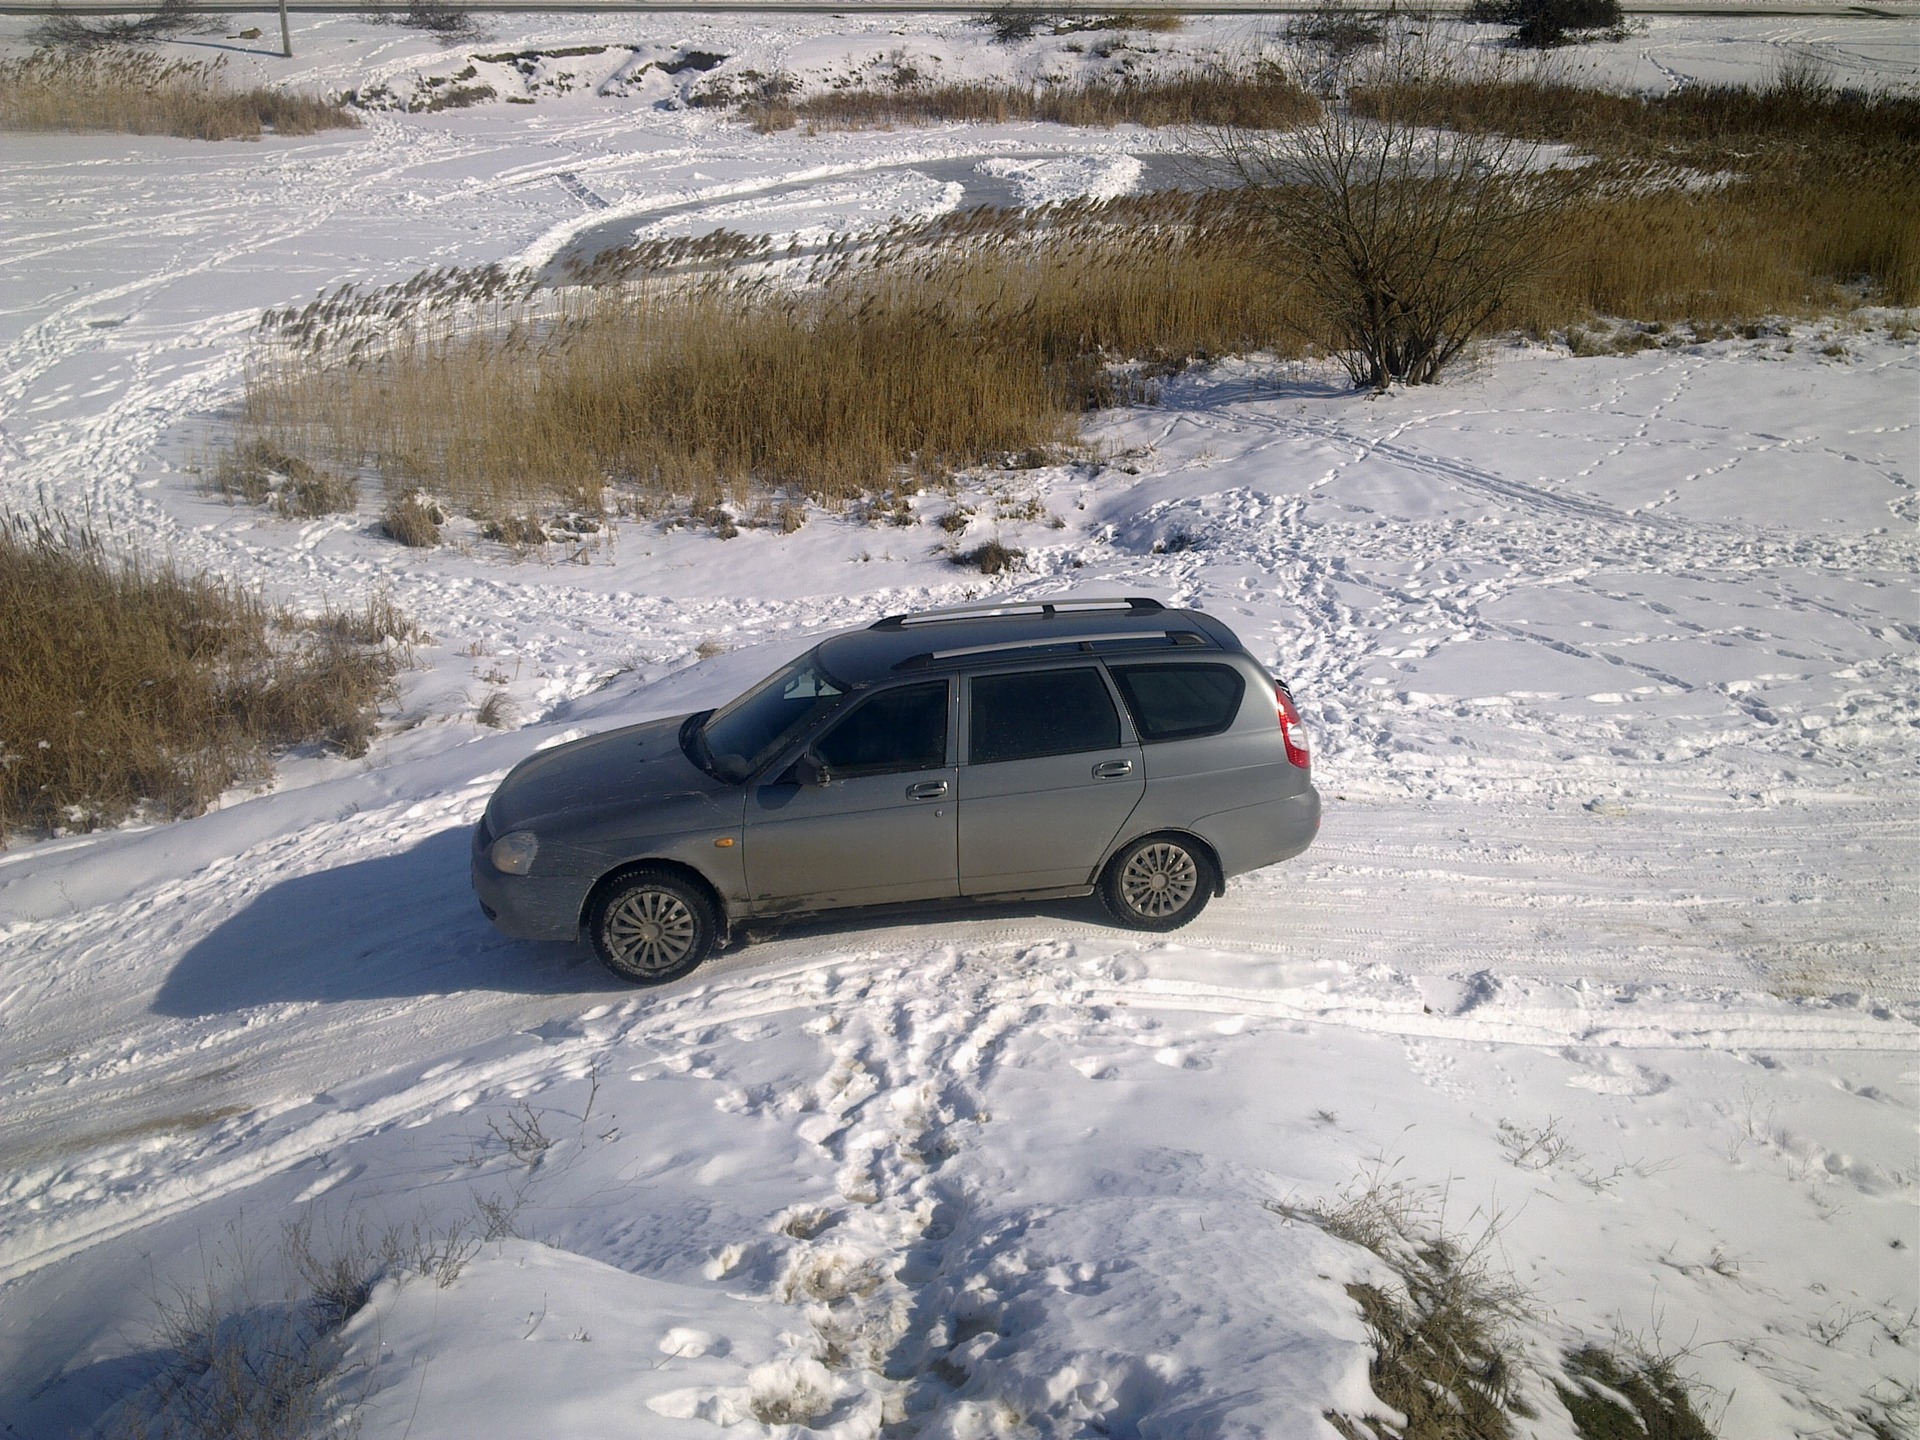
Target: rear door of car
(883,826)
(1050,774)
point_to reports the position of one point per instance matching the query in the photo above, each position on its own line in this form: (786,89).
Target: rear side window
(1043,712)
(1180,702)
(903,729)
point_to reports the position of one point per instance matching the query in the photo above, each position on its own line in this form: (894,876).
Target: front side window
(749,731)
(1180,702)
(902,729)
(1040,712)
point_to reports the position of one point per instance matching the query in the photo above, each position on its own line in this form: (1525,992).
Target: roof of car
(940,640)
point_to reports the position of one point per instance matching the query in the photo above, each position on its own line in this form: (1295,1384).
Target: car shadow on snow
(407,925)
(399,926)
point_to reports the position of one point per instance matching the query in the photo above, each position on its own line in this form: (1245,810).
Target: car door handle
(1112,769)
(927,790)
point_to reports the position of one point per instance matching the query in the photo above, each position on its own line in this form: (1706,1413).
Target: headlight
(513,854)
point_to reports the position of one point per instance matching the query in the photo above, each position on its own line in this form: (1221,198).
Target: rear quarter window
(1180,702)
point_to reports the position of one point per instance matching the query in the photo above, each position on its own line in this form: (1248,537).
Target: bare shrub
(250,1351)
(1405,241)
(447,23)
(62,29)
(131,687)
(1543,24)
(1336,29)
(413,520)
(247,1358)
(1011,22)
(521,1132)
(142,94)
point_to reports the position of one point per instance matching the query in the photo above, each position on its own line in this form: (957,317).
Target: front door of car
(1049,779)
(881,824)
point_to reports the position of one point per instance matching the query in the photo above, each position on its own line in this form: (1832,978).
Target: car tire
(651,926)
(1159,882)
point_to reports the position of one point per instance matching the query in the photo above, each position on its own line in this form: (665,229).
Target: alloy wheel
(1159,880)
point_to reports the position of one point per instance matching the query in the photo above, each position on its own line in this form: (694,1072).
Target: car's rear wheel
(1158,883)
(652,926)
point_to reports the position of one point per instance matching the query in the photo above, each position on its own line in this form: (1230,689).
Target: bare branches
(1404,240)
(64,30)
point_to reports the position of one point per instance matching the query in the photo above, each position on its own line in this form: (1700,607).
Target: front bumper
(526,907)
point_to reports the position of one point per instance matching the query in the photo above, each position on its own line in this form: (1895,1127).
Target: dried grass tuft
(991,558)
(132,688)
(1445,1352)
(259,474)
(413,520)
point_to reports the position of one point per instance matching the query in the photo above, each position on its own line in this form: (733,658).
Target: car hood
(634,765)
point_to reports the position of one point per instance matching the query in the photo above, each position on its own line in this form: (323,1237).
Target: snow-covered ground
(1612,666)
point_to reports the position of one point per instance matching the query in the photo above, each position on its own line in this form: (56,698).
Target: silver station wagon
(1015,751)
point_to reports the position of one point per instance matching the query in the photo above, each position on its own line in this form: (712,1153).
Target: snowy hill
(1604,957)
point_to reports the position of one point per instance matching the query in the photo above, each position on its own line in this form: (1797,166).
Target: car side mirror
(809,769)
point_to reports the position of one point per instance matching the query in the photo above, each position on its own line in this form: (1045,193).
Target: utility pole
(286,35)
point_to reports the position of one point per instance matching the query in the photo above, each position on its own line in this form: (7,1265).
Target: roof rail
(1010,609)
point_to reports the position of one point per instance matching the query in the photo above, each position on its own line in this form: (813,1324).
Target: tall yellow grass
(986,336)
(672,378)
(1722,200)
(1264,100)
(126,686)
(141,94)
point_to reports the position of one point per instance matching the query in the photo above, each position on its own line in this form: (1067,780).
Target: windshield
(745,734)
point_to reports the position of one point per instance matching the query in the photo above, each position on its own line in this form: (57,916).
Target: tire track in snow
(955,986)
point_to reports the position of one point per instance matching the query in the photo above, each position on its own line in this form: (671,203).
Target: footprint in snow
(1181,1057)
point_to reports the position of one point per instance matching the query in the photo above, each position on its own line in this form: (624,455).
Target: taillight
(1291,730)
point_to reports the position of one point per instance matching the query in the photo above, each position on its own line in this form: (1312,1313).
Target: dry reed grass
(975,338)
(1718,202)
(672,379)
(142,94)
(1260,100)
(128,688)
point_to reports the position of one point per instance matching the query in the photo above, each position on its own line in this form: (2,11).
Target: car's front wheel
(652,926)
(1158,883)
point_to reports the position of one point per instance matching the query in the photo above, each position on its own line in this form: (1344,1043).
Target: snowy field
(1605,955)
